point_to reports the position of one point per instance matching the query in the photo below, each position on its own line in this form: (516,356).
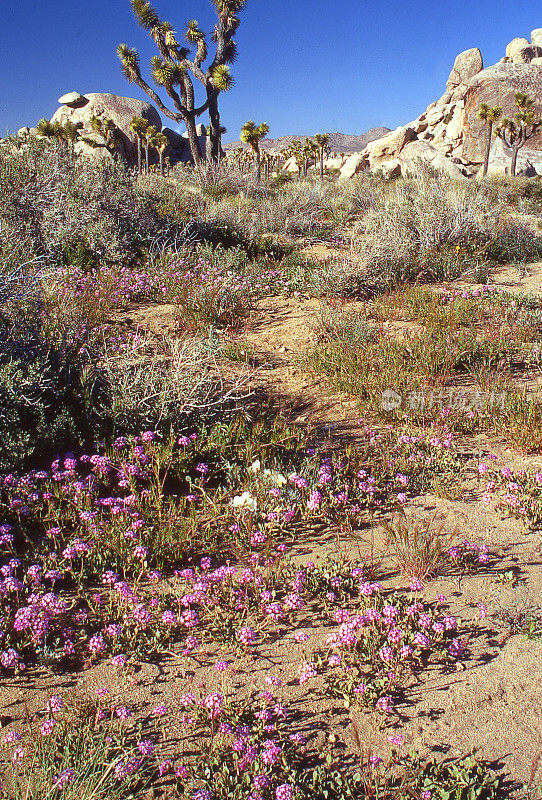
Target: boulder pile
(449,135)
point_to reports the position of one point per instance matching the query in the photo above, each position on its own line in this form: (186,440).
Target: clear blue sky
(304,65)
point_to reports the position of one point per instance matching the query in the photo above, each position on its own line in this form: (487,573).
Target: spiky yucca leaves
(230,52)
(193,33)
(222,78)
(67,133)
(167,73)
(229,6)
(71,132)
(175,51)
(129,59)
(145,15)
(46,128)
(96,124)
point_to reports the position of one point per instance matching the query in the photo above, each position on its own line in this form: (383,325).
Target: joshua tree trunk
(515,151)
(214,128)
(488,147)
(139,154)
(161,159)
(193,140)
(258,166)
(321,163)
(147,157)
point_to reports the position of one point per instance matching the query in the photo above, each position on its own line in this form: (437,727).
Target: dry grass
(418,545)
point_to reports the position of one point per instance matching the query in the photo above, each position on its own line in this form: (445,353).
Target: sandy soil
(493,701)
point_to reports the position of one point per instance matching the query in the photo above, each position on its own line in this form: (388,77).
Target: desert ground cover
(271,459)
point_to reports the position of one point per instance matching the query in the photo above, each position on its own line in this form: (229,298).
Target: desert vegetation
(216,582)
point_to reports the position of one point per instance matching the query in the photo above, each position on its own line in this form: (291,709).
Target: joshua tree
(266,161)
(52,130)
(70,133)
(67,133)
(251,135)
(310,153)
(150,133)
(160,142)
(489,115)
(321,140)
(139,126)
(172,69)
(107,129)
(296,150)
(515,132)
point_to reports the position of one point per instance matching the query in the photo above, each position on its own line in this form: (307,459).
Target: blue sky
(304,65)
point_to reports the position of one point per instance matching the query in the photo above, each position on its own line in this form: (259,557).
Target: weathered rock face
(290,165)
(120,109)
(392,144)
(497,86)
(72,99)
(353,164)
(467,64)
(423,151)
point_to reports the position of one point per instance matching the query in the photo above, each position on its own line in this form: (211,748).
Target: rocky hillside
(449,135)
(338,142)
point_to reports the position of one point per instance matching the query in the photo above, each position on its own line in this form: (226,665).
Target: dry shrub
(154,383)
(418,545)
(423,228)
(56,204)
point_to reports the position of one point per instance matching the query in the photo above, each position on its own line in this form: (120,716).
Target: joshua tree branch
(183,111)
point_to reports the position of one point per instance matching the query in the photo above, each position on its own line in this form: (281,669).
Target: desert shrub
(44,397)
(522,193)
(418,229)
(157,384)
(516,245)
(425,228)
(43,403)
(65,208)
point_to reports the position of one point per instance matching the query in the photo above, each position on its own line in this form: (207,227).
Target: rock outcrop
(448,134)
(467,64)
(497,86)
(107,106)
(80,108)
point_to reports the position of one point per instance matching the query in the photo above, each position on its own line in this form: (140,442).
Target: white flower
(275,477)
(244,501)
(256,466)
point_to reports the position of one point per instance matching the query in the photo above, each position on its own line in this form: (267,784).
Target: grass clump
(418,546)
